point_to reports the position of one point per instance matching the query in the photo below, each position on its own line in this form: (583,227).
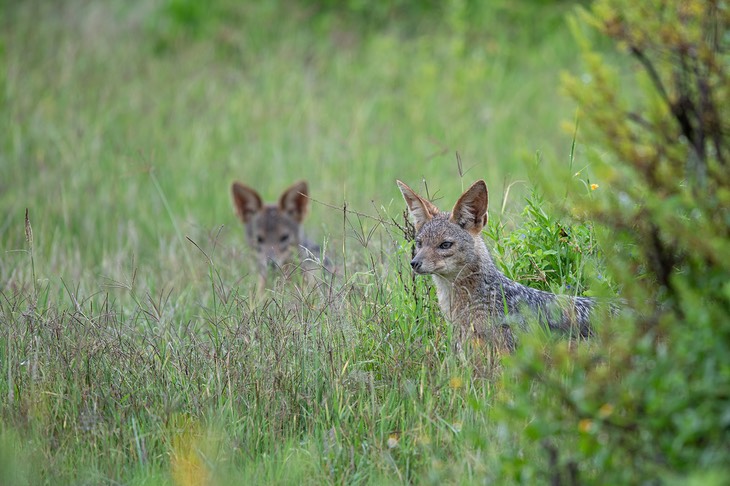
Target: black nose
(415,265)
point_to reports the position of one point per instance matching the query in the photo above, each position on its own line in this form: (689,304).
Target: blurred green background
(124,123)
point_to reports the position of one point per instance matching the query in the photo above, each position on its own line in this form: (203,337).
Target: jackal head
(448,243)
(272,230)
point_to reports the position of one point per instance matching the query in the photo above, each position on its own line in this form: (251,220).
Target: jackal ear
(247,201)
(470,211)
(421,210)
(295,201)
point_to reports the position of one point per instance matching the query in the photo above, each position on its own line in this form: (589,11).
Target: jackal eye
(446,245)
(284,238)
(260,240)
(418,243)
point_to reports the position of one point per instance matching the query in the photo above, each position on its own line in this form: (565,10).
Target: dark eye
(446,245)
(418,243)
(284,238)
(260,239)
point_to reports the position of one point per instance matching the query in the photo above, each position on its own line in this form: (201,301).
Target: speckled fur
(473,294)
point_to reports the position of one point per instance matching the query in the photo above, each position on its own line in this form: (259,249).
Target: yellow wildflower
(392,441)
(605,410)
(456,382)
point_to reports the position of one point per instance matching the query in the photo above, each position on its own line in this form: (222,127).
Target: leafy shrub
(649,402)
(544,252)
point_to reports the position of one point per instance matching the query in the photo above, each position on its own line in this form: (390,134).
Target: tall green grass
(109,139)
(131,348)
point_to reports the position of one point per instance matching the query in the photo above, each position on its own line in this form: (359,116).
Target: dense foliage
(650,403)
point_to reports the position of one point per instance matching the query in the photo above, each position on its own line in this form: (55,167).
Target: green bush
(648,403)
(545,252)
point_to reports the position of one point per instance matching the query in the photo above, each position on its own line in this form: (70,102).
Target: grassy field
(131,349)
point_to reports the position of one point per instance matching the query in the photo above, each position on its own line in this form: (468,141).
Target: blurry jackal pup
(274,231)
(473,294)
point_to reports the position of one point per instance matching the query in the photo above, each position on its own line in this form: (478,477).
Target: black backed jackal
(472,293)
(274,231)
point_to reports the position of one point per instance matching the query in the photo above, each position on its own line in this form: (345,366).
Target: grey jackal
(473,294)
(274,231)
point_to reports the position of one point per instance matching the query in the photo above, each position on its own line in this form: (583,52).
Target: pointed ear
(470,211)
(295,201)
(247,201)
(421,210)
